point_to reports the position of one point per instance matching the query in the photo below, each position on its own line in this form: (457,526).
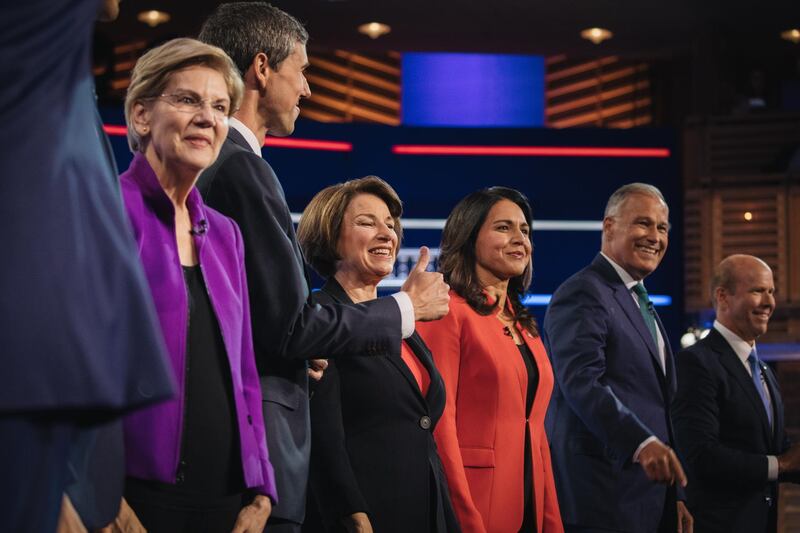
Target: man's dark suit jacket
(610,396)
(287,328)
(373,448)
(723,432)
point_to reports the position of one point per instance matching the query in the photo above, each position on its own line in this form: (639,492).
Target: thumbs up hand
(427,290)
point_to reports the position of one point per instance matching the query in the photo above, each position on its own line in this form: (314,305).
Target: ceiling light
(748,216)
(153,18)
(596,35)
(792,35)
(374,29)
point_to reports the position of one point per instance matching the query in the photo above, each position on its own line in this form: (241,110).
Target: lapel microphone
(506,331)
(200,229)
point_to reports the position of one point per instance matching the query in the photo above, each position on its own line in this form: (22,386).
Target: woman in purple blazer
(198,462)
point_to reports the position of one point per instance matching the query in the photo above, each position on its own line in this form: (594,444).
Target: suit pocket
(477,457)
(281,391)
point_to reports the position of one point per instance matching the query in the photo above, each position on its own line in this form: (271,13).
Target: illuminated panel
(444,89)
(277,142)
(659,300)
(535,151)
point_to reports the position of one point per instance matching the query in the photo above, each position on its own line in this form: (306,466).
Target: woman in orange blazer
(498,379)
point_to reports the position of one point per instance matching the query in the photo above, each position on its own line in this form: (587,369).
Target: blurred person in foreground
(374,465)
(81,345)
(728,411)
(198,462)
(496,373)
(609,421)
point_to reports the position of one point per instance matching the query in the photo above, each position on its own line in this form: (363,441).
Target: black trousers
(162,513)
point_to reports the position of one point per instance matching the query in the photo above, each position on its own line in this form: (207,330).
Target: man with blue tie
(609,423)
(728,411)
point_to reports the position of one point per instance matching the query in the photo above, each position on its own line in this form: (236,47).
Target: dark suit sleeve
(285,325)
(577,325)
(696,415)
(333,481)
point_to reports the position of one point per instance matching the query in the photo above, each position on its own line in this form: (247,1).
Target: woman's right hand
(357,523)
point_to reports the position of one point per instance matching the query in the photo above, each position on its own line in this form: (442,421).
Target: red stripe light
(110,129)
(536,151)
(307,144)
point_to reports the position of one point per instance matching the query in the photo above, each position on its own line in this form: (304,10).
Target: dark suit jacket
(287,329)
(723,432)
(610,395)
(373,449)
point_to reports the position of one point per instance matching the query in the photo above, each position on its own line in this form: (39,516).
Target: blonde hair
(152,72)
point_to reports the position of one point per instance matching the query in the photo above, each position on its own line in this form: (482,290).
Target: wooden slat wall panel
(604,92)
(348,87)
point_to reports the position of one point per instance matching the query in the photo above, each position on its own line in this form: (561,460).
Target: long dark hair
(457,257)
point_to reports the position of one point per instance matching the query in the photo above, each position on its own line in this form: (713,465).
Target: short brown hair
(152,72)
(321,222)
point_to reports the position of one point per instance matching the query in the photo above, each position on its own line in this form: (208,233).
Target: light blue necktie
(758,381)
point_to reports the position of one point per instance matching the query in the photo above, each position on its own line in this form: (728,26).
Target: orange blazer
(481,435)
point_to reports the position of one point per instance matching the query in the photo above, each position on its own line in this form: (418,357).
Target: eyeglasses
(190,103)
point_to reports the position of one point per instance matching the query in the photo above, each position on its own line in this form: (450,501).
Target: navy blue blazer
(79,332)
(722,430)
(287,327)
(610,395)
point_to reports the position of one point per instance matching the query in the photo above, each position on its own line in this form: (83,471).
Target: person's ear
(141,116)
(260,70)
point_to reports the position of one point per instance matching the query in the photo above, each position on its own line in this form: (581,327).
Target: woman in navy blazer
(374,464)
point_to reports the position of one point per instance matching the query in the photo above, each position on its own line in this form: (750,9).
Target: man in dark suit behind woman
(609,423)
(728,411)
(269,48)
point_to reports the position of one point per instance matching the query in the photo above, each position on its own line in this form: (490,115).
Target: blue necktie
(755,366)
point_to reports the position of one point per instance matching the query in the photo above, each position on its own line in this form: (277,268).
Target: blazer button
(425,422)
(768,499)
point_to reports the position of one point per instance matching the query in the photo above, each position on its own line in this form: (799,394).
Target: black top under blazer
(724,436)
(372,441)
(287,328)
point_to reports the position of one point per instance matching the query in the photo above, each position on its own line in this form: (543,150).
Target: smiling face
(747,308)
(367,240)
(181,143)
(636,237)
(284,89)
(503,245)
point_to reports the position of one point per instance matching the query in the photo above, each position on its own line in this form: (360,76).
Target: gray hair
(152,71)
(244,29)
(620,195)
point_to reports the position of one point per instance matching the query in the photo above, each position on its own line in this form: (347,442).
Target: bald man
(728,413)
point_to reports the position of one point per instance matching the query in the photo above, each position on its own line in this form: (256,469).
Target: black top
(211,464)
(528,520)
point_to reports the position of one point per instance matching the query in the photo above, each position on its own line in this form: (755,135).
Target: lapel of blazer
(435,398)
(238,139)
(337,292)
(733,365)
(625,300)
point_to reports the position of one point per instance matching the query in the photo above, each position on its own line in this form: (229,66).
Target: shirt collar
(247,133)
(741,347)
(626,278)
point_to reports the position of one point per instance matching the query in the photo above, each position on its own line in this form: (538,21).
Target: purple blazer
(153,435)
